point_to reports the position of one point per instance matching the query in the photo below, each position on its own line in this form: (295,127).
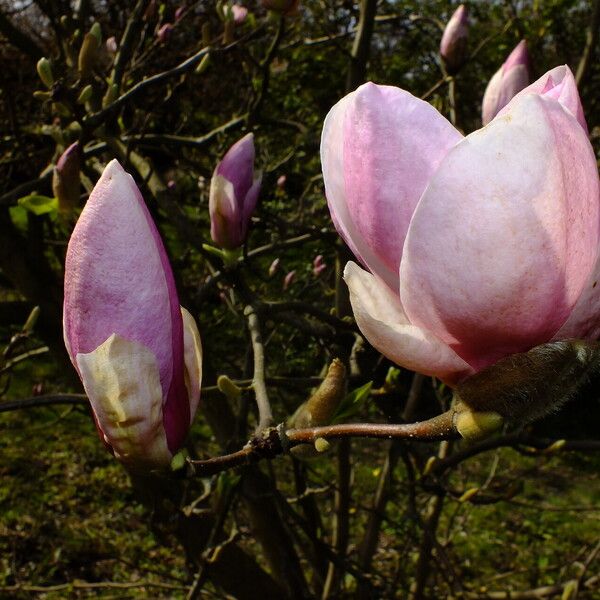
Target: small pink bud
(234,189)
(111,45)
(164,32)
(289,279)
(179,12)
(509,79)
(453,47)
(171,184)
(273,268)
(239,13)
(318,265)
(281,182)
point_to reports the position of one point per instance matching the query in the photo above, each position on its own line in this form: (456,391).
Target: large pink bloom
(137,352)
(479,246)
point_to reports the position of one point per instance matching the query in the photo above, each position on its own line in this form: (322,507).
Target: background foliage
(365,520)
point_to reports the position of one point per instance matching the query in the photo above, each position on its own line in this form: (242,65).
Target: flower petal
(560,85)
(506,234)
(122,381)
(237,166)
(192,356)
(380,145)
(381,319)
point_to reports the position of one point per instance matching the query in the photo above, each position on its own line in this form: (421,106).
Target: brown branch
(46,400)
(276,441)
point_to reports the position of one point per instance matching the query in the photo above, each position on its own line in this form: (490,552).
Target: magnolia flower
(478,247)
(454,40)
(507,81)
(234,189)
(135,349)
(281,180)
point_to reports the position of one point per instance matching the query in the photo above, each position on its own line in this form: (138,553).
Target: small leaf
(352,403)
(39,205)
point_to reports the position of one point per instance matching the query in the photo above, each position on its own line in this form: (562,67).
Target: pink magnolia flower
(453,46)
(478,247)
(135,349)
(234,190)
(506,82)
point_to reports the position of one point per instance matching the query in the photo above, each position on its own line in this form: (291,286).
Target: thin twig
(265,416)
(46,400)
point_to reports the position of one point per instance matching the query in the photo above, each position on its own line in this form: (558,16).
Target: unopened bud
(96,31)
(112,93)
(468,494)
(273,267)
(88,54)
(31,320)
(477,425)
(40,95)
(86,94)
(429,465)
(65,178)
(203,64)
(228,388)
(45,72)
(322,445)
(322,405)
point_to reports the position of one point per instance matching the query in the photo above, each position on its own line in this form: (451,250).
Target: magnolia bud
(86,94)
(289,279)
(320,408)
(45,72)
(88,54)
(164,33)
(65,178)
(524,387)
(453,47)
(273,267)
(234,190)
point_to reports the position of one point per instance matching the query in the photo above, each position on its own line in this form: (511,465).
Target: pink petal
(560,85)
(505,236)
(118,280)
(380,145)
(380,317)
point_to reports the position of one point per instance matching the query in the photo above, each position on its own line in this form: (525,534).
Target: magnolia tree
(457,310)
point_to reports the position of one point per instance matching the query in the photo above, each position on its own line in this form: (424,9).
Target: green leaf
(18,216)
(39,205)
(352,403)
